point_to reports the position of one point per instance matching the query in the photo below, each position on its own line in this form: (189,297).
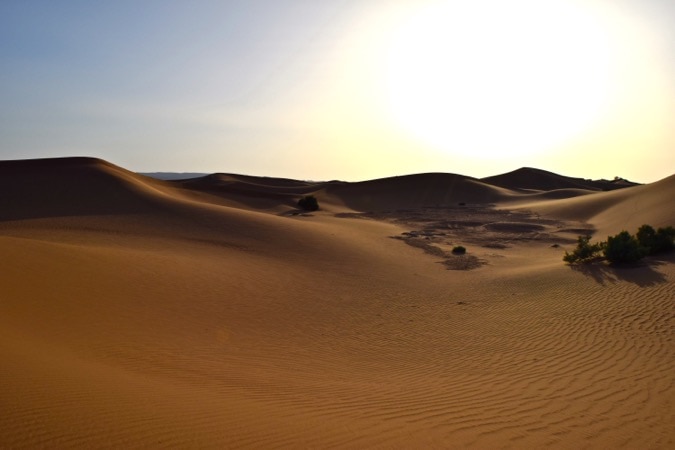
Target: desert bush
(656,241)
(665,240)
(308,203)
(585,251)
(646,236)
(624,248)
(459,250)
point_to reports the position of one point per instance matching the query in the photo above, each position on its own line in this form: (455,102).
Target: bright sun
(498,79)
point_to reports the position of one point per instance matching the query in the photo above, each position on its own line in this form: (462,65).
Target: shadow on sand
(643,274)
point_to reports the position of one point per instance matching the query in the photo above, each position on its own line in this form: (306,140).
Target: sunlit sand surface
(212,314)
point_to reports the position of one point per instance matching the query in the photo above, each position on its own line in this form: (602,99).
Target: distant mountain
(527,178)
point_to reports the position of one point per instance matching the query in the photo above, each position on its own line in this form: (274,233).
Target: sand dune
(253,192)
(618,210)
(430,189)
(143,313)
(528,178)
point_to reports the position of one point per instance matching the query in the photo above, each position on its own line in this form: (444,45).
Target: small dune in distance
(210,311)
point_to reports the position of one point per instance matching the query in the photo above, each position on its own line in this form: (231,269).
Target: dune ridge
(203,313)
(528,178)
(620,209)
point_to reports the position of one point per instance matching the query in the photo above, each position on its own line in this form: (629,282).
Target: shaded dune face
(624,209)
(541,180)
(69,187)
(87,195)
(253,192)
(199,313)
(416,191)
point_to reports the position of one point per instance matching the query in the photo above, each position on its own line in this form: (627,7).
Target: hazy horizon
(175,175)
(344,90)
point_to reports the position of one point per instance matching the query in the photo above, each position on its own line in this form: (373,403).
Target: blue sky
(343,89)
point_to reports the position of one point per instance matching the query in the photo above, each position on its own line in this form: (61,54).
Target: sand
(212,314)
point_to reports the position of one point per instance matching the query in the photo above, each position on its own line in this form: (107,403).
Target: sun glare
(497,79)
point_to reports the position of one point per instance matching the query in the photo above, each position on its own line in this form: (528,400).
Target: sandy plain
(210,313)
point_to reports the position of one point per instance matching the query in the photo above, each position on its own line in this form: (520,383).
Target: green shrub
(584,252)
(624,248)
(646,236)
(459,250)
(308,203)
(656,241)
(665,240)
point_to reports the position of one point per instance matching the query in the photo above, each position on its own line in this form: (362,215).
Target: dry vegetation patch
(436,230)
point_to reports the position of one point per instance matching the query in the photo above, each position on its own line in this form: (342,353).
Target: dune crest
(527,178)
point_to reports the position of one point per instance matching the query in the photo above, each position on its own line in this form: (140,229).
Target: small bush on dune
(624,248)
(584,252)
(459,250)
(646,236)
(656,241)
(308,203)
(665,240)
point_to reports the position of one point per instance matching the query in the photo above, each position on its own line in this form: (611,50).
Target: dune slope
(625,209)
(139,313)
(527,178)
(411,191)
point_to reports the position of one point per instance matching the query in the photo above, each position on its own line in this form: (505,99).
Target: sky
(343,89)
